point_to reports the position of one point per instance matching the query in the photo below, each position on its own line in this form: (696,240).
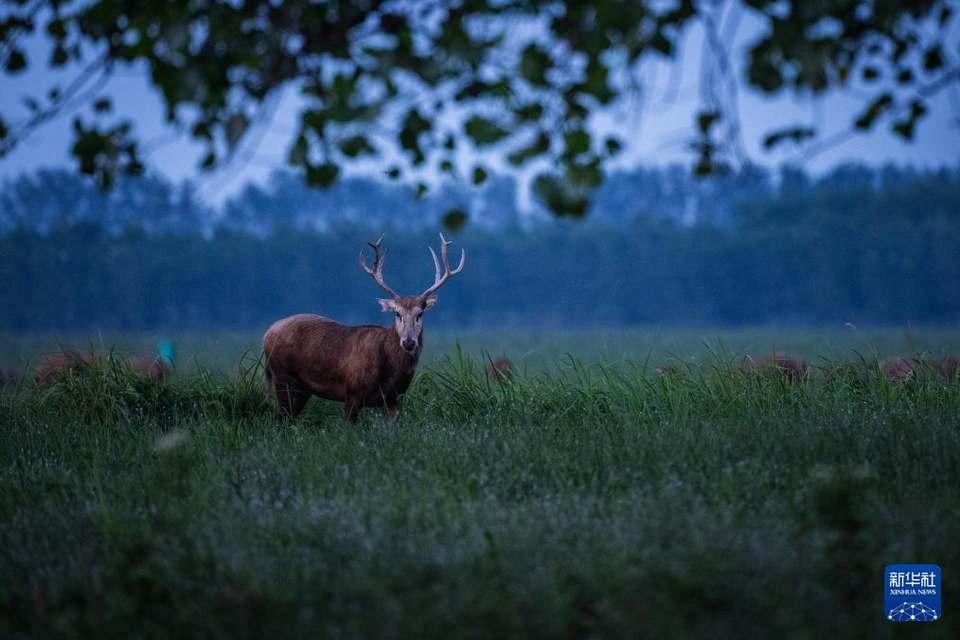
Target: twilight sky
(655,123)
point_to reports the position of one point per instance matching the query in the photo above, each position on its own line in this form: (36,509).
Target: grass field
(587,498)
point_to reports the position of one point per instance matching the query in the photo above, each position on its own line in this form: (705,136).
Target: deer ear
(386,304)
(429,302)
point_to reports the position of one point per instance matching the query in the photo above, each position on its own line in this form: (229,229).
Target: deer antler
(377,270)
(438,278)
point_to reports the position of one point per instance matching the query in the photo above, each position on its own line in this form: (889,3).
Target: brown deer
(62,362)
(901,369)
(155,367)
(792,368)
(307,355)
(8,377)
(500,370)
(949,367)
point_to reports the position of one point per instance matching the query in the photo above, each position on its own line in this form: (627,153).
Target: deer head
(408,310)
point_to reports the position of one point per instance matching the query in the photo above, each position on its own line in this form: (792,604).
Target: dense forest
(856,245)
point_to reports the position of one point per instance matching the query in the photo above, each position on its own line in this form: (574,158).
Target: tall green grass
(590,499)
(532,350)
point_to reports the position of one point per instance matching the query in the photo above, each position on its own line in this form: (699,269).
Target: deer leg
(393,411)
(291,401)
(351,410)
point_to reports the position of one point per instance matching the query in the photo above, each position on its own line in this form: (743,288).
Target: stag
(361,366)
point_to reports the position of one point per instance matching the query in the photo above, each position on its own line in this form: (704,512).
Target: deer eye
(397,313)
(419,315)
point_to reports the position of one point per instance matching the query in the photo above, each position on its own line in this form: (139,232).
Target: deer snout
(408,344)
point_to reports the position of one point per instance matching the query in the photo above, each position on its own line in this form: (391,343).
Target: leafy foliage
(404,66)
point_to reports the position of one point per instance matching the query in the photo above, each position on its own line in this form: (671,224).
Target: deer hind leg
(291,400)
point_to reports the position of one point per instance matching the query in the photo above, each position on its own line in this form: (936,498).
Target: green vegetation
(589,500)
(857,246)
(519,79)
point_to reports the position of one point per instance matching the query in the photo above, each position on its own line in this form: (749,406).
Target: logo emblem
(911,593)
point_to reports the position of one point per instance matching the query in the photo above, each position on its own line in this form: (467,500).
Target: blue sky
(656,123)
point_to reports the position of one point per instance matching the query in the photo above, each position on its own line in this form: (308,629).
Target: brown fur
(151,367)
(59,363)
(949,367)
(669,369)
(307,355)
(791,368)
(8,377)
(901,369)
(500,370)
(366,366)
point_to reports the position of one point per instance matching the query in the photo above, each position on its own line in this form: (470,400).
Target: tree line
(857,245)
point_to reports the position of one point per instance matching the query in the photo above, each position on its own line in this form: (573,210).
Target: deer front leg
(351,410)
(393,412)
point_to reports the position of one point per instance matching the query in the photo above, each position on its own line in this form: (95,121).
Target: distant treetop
(520,77)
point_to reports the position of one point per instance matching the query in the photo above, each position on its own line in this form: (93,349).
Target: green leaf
(237,125)
(932,58)
(446,166)
(57,29)
(660,44)
(562,199)
(530,112)
(536,148)
(16,61)
(454,219)
(870,73)
(534,63)
(585,174)
(208,161)
(103,105)
(613,146)
(59,56)
(414,125)
(483,131)
(322,175)
(355,146)
(420,190)
(905,126)
(794,134)
(706,119)
(873,111)
(394,173)
(4,130)
(480,175)
(575,143)
(596,83)
(343,87)
(298,151)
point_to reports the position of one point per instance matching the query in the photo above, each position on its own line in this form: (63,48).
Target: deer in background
(64,361)
(361,366)
(792,368)
(500,370)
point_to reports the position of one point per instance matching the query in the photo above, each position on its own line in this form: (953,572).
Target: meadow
(586,496)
